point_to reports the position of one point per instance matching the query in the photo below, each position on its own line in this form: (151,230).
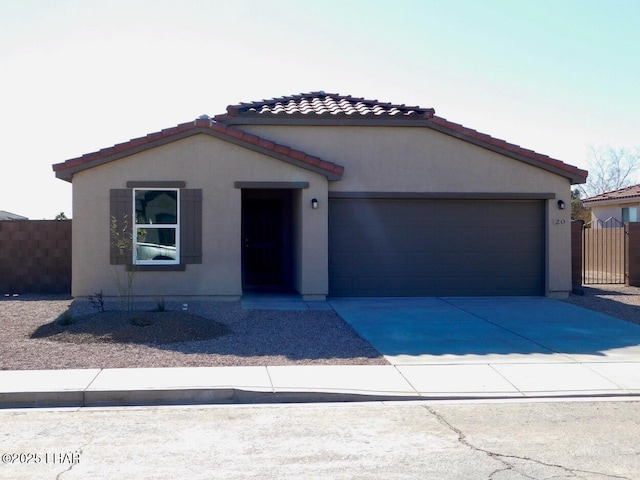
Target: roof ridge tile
(319,103)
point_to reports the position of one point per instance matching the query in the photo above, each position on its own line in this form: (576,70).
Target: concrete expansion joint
(588,367)
(94,378)
(413,387)
(507,380)
(273,387)
(509,462)
(497,325)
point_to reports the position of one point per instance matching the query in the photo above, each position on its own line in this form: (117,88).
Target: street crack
(80,451)
(508,461)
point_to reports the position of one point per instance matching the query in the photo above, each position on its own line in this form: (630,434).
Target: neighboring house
(4,215)
(323,194)
(609,209)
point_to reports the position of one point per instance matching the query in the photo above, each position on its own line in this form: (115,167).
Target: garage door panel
(435,247)
(340,238)
(395,235)
(420,264)
(343,284)
(339,263)
(382,264)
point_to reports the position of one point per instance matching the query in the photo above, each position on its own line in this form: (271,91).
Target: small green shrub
(97,301)
(65,318)
(160,306)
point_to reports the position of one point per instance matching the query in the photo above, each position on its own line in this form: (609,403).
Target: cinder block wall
(35,256)
(633,254)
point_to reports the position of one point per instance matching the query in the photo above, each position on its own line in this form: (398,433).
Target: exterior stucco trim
(156,184)
(272,185)
(448,195)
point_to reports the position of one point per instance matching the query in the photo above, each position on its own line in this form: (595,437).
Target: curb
(238,396)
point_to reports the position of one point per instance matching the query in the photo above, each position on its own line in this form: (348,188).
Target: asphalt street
(494,440)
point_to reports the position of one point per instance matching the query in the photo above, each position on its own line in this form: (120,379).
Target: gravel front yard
(616,300)
(210,334)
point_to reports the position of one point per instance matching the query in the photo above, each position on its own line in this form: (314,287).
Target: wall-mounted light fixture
(561,204)
(314,203)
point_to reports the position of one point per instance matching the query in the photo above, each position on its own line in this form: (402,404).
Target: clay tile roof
(65,170)
(321,103)
(628,193)
(317,108)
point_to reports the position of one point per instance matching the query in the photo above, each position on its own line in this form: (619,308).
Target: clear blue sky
(77,76)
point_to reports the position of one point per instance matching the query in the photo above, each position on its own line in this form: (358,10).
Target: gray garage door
(419,247)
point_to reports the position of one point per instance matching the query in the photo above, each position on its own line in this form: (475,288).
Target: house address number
(559,221)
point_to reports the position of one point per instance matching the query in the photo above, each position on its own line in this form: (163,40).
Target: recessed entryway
(267,240)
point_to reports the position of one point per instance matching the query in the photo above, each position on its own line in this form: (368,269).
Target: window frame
(191,218)
(630,212)
(174,226)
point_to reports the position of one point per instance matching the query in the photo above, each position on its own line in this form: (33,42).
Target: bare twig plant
(122,240)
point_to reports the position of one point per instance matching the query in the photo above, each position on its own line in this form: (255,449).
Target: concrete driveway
(503,330)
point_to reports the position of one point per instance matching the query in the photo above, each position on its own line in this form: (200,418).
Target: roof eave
(573,174)
(66,170)
(611,201)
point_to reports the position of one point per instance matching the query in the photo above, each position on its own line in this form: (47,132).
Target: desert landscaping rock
(210,334)
(620,301)
(153,328)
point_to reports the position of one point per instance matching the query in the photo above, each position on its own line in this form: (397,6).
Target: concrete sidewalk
(166,386)
(437,349)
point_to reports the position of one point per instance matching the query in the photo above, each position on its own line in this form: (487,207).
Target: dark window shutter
(121,208)
(191,225)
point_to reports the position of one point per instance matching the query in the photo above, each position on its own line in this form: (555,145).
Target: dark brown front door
(263,242)
(266,237)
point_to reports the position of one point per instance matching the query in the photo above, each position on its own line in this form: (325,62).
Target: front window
(156,229)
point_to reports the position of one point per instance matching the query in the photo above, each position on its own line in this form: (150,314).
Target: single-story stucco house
(322,194)
(610,209)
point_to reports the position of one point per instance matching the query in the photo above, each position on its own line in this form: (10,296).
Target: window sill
(157,268)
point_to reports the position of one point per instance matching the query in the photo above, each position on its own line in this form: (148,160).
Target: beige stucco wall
(212,165)
(380,159)
(410,159)
(605,212)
